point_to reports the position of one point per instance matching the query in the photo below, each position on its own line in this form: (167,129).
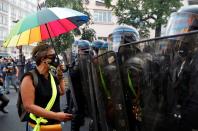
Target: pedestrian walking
(29,65)
(2,65)
(11,75)
(3,98)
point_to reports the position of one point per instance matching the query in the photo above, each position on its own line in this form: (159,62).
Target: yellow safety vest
(48,107)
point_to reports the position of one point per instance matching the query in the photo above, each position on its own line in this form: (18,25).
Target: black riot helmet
(184,20)
(82,46)
(99,46)
(122,35)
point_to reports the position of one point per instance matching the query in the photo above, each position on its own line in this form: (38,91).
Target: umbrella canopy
(44,24)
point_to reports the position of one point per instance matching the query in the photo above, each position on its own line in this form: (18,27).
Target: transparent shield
(84,80)
(109,93)
(159,77)
(82,91)
(181,23)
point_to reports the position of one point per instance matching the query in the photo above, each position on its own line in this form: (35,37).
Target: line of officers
(126,85)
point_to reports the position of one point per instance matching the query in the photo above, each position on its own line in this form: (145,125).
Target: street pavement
(11,122)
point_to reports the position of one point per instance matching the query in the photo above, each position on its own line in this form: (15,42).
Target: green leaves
(145,14)
(88,34)
(63,42)
(74,4)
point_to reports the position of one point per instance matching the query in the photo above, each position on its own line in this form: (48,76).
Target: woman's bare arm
(62,87)
(28,97)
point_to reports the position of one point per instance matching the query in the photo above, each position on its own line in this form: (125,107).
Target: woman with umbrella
(42,25)
(35,98)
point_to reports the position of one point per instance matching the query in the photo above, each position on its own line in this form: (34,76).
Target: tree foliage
(73,4)
(88,34)
(144,14)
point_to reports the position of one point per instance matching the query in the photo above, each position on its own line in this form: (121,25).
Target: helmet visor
(181,23)
(118,38)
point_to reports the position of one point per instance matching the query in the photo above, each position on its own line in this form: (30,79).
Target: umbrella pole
(52,43)
(39,7)
(50,35)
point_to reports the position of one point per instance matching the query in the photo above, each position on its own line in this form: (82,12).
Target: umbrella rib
(18,39)
(40,34)
(49,30)
(29,37)
(8,42)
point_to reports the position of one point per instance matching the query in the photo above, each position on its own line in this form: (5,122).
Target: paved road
(11,122)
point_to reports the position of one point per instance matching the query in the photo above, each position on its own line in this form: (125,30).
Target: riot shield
(88,92)
(109,93)
(158,77)
(78,99)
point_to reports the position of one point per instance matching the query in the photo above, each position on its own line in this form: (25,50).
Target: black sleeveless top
(43,94)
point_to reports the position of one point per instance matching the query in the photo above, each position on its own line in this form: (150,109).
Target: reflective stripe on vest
(48,107)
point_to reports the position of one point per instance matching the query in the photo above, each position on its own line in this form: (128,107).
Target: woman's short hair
(40,51)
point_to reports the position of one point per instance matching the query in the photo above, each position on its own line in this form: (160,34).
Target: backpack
(23,114)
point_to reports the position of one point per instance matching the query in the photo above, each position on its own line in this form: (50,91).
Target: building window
(1,6)
(13,13)
(101,16)
(3,20)
(5,33)
(22,3)
(20,14)
(192,2)
(102,1)
(19,2)
(1,34)
(5,7)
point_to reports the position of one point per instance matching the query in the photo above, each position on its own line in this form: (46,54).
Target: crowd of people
(154,90)
(9,77)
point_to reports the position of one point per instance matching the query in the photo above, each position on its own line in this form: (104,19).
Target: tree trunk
(158,30)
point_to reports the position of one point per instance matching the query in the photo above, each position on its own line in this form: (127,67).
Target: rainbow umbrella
(44,24)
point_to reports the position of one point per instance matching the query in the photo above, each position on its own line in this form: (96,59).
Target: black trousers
(4,101)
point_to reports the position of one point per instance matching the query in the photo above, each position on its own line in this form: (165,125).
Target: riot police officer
(99,47)
(129,67)
(79,47)
(186,61)
(122,35)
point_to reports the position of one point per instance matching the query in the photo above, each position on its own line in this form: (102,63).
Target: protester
(36,98)
(11,74)
(29,65)
(3,98)
(2,65)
